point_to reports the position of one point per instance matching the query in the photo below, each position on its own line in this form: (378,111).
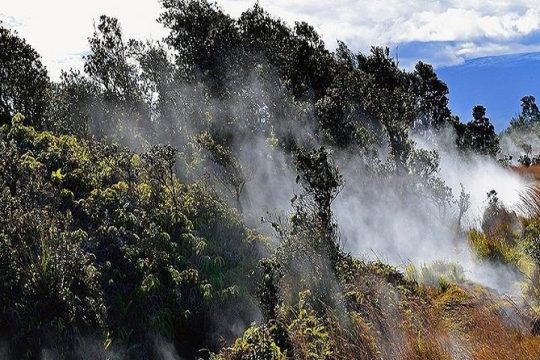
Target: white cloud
(59,29)
(471,49)
(391,21)
(9,21)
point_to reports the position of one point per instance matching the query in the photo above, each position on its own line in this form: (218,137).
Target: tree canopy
(24,82)
(134,193)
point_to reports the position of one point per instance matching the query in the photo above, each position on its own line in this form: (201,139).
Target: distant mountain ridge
(497,82)
(500,60)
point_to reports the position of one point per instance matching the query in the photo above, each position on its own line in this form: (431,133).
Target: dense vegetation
(522,134)
(130,225)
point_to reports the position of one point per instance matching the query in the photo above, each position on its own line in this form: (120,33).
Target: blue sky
(498,83)
(443,32)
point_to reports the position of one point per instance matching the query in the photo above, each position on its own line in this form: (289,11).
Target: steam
(165,350)
(377,216)
(401,227)
(512,143)
(478,175)
(93,349)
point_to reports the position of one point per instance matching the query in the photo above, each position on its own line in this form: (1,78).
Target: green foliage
(50,285)
(96,239)
(24,83)
(73,105)
(318,175)
(387,97)
(531,238)
(268,290)
(493,248)
(312,337)
(257,343)
(203,35)
(529,115)
(498,221)
(479,134)
(432,96)
(423,171)
(231,171)
(312,220)
(308,256)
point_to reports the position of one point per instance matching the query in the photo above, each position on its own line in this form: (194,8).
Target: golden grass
(436,274)
(531,172)
(424,348)
(494,248)
(382,319)
(426,336)
(494,340)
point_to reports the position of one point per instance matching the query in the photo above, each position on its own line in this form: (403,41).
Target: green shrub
(97,239)
(257,343)
(437,273)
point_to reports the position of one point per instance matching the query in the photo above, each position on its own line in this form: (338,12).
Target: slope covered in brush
(99,242)
(224,184)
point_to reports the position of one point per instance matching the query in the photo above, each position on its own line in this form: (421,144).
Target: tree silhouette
(529,115)
(479,134)
(23,80)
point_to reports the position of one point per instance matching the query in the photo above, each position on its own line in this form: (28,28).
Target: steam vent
(269,180)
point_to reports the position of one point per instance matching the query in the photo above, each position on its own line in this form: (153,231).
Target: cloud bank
(440,32)
(451,30)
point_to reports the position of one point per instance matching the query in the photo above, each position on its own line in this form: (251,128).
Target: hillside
(239,191)
(531,172)
(113,222)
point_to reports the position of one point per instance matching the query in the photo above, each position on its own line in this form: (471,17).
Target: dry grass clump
(427,337)
(355,341)
(382,316)
(403,319)
(436,274)
(492,339)
(434,323)
(531,172)
(454,297)
(424,348)
(484,328)
(529,205)
(494,248)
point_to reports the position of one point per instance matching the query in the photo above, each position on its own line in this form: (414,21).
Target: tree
(525,159)
(342,119)
(387,95)
(483,138)
(309,254)
(111,67)
(529,109)
(310,68)
(108,62)
(204,38)
(230,171)
(74,101)
(529,115)
(336,118)
(24,82)
(432,97)
(322,182)
(262,35)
